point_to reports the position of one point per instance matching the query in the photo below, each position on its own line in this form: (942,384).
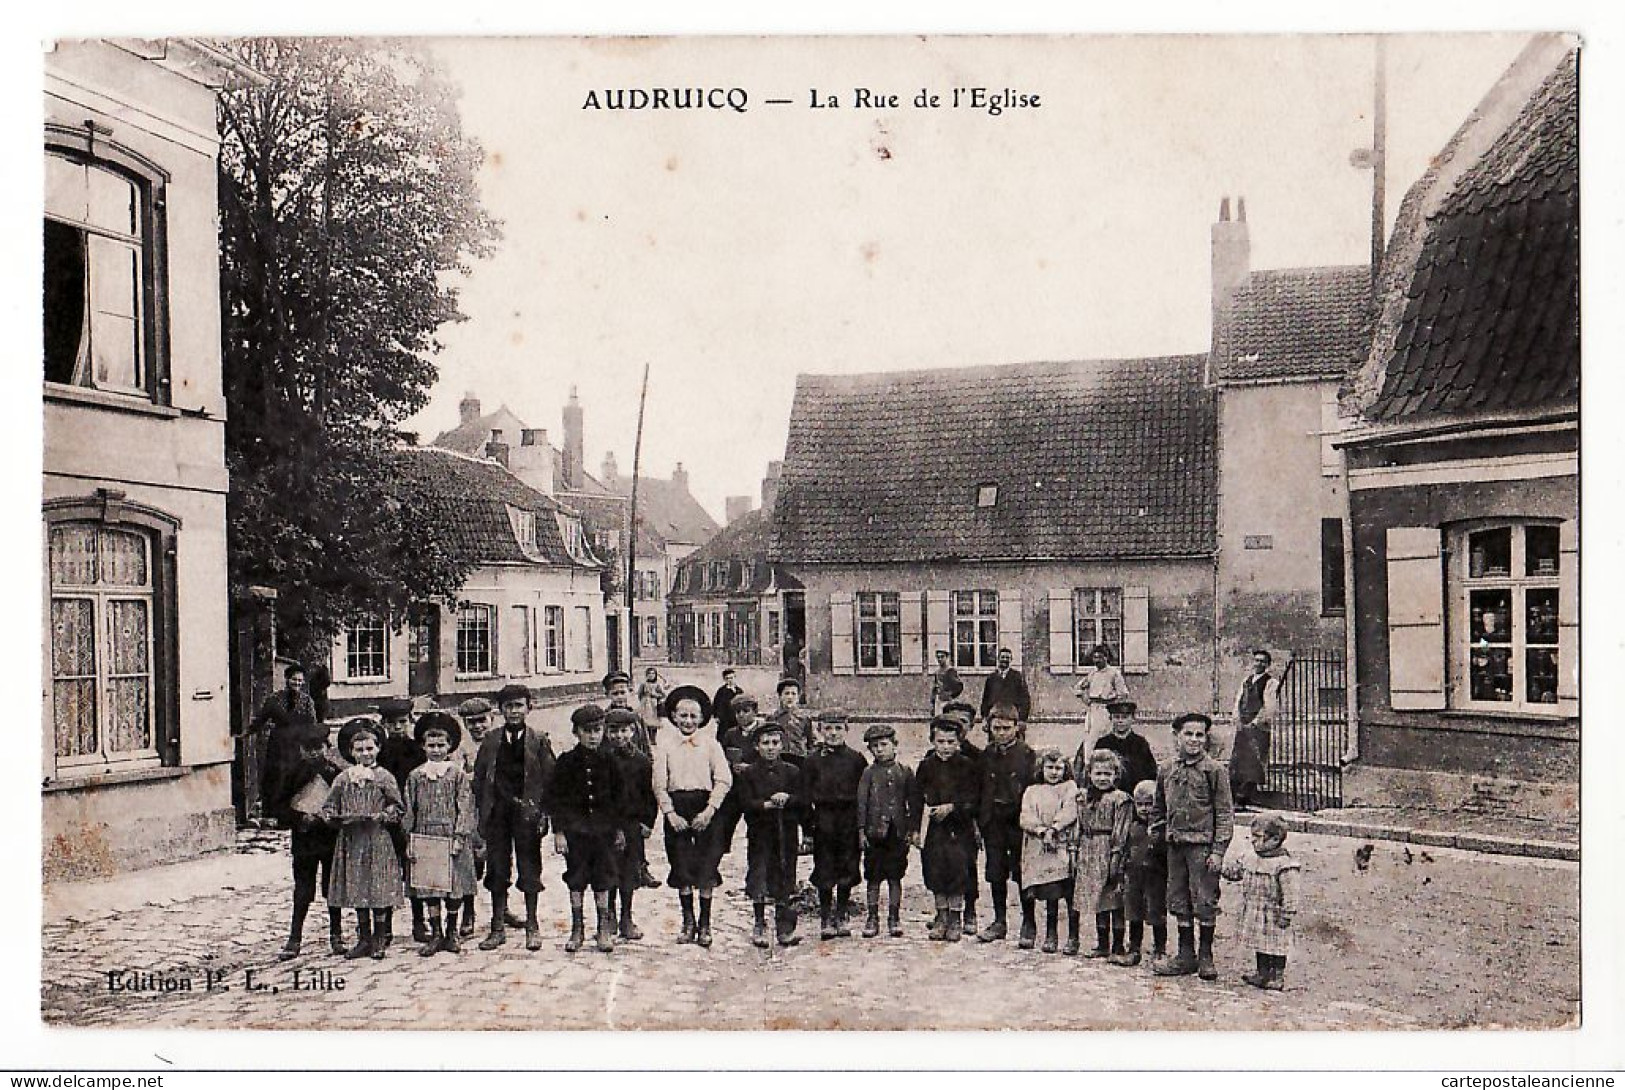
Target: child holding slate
(439,822)
(364,802)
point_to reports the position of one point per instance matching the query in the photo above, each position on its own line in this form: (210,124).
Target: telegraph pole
(632,528)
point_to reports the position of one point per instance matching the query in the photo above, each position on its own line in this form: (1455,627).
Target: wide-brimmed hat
(687,692)
(354,728)
(441,721)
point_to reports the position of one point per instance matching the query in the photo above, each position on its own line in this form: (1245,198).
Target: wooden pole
(632,527)
(1379,162)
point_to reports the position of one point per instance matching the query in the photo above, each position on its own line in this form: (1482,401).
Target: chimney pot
(1241,209)
(468,410)
(1224,209)
(497,452)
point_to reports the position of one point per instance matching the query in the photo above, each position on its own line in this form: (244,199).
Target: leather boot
(499,928)
(431,944)
(702,925)
(420,926)
(533,927)
(1029,927)
(1102,940)
(363,931)
(578,929)
(871,922)
(1052,941)
(381,932)
(843,912)
(605,938)
(629,931)
(1204,956)
(786,921)
(968,920)
(335,930)
(1277,971)
(1184,962)
(1071,947)
(449,943)
(1260,976)
(894,920)
(997,929)
(465,930)
(939,925)
(956,926)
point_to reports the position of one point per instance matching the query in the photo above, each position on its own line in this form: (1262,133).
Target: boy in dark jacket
(887,820)
(946,793)
(770,794)
(1008,767)
(1145,880)
(399,754)
(1139,764)
(1192,809)
(511,776)
(295,800)
(830,776)
(639,812)
(587,797)
(964,713)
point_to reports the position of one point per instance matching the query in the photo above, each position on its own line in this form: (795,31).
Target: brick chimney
(1232,262)
(574,442)
(468,410)
(737,507)
(770,486)
(497,451)
(611,472)
(679,477)
(532,460)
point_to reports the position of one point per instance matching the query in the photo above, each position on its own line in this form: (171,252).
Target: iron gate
(1311,732)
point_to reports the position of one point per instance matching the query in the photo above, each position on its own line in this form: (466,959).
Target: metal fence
(1311,732)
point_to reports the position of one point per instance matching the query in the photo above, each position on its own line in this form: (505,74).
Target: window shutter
(509,664)
(910,619)
(1060,631)
(1010,624)
(1568,618)
(1415,619)
(1136,630)
(840,634)
(936,626)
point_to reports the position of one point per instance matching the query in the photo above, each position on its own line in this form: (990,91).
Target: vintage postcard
(908,533)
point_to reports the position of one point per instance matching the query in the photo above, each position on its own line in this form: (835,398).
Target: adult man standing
(1255,708)
(1006,686)
(945,685)
(722,702)
(511,775)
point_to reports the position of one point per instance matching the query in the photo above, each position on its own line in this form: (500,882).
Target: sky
(730,251)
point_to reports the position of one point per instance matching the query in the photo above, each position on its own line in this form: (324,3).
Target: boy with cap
(771,796)
(399,755)
(740,751)
(475,712)
(511,777)
(1192,809)
(964,713)
(588,830)
(831,773)
(886,818)
(618,692)
(301,788)
(1139,764)
(946,792)
(639,812)
(1008,767)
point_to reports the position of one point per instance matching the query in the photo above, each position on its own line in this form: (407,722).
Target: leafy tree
(348,200)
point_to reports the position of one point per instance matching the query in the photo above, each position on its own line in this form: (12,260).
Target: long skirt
(366,871)
(1093,890)
(1097,723)
(691,853)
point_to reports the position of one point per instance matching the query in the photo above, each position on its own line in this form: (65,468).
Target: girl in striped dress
(1269,900)
(1104,815)
(363,800)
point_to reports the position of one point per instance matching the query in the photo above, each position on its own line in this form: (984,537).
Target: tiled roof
(1296,323)
(468,500)
(1091,459)
(666,510)
(744,542)
(1490,310)
(471,438)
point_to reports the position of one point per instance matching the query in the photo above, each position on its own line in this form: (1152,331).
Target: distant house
(531,611)
(1463,468)
(1283,341)
(1046,507)
(730,601)
(671,523)
(135,687)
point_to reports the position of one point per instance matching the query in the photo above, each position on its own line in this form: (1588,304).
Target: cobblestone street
(1425,940)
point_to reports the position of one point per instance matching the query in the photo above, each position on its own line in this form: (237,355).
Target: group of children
(1097,833)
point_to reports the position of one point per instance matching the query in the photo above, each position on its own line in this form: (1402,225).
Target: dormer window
(575,538)
(987,495)
(524,532)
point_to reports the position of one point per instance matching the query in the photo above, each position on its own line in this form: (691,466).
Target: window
(1332,600)
(651,636)
(553,637)
(525,640)
(772,628)
(880,633)
(366,651)
(716,629)
(976,629)
(103,263)
(583,639)
(524,531)
(575,538)
(1506,622)
(1099,612)
(105,700)
(474,639)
